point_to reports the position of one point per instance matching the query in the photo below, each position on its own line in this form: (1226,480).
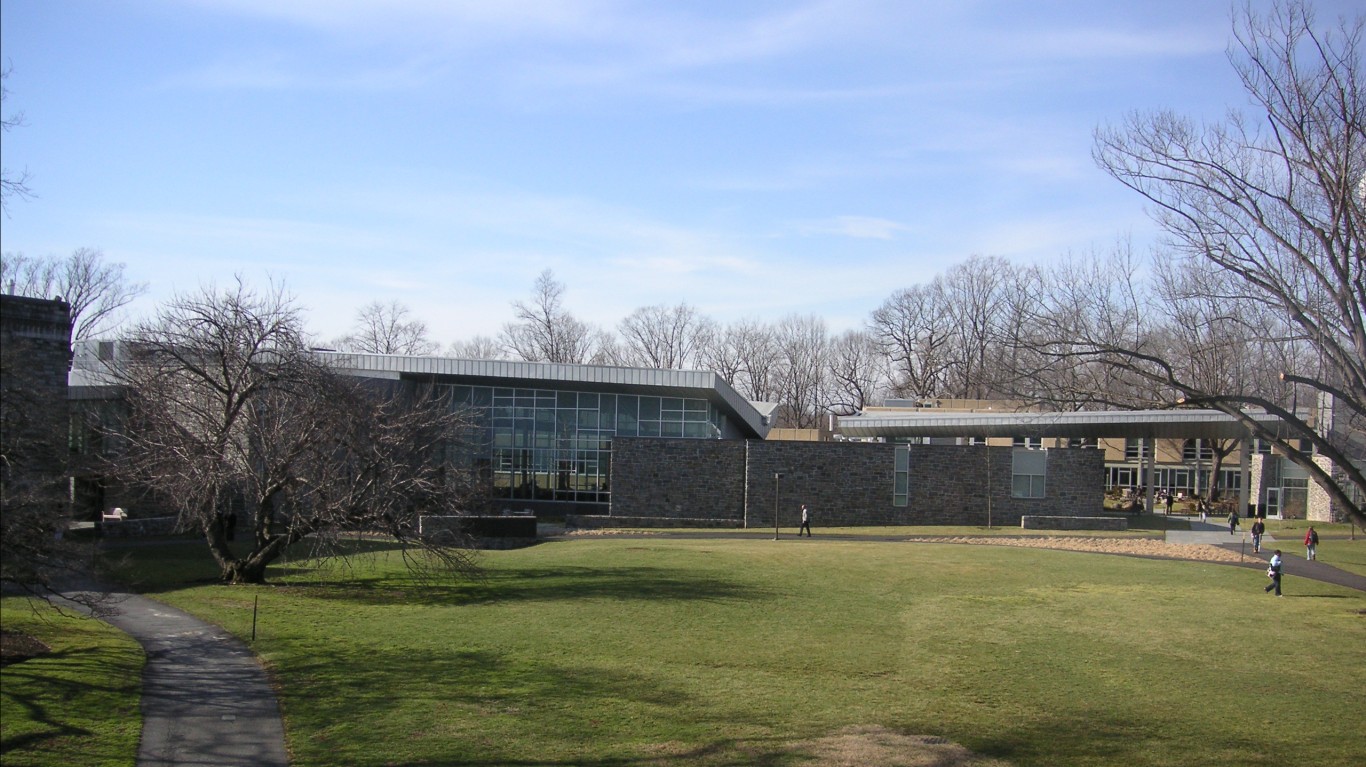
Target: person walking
(1274,573)
(1311,543)
(1258,529)
(806,523)
(1169,500)
(1204,508)
(1232,521)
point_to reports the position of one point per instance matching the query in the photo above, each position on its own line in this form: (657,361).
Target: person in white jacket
(1274,572)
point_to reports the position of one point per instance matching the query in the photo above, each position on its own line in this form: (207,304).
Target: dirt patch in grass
(852,746)
(862,745)
(16,647)
(1137,547)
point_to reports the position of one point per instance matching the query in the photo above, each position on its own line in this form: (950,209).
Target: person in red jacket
(1311,543)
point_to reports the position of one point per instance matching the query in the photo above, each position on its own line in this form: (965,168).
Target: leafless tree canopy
(858,372)
(665,337)
(388,329)
(477,348)
(13,184)
(96,289)
(1267,215)
(544,330)
(230,414)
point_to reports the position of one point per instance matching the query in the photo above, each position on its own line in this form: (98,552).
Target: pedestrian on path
(806,523)
(1311,543)
(1169,502)
(1274,573)
(1258,529)
(1204,509)
(1232,521)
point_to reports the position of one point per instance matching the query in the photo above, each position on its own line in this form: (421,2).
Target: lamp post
(776,476)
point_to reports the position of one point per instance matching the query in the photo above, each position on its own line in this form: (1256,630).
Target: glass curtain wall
(547,445)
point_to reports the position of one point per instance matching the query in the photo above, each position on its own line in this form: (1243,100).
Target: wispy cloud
(856,227)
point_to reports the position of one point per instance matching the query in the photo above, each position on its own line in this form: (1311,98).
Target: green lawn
(610,651)
(76,705)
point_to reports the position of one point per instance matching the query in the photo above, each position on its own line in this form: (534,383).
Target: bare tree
(388,329)
(745,354)
(802,381)
(1278,205)
(544,330)
(97,290)
(477,348)
(12,184)
(665,337)
(913,329)
(973,292)
(229,411)
(858,372)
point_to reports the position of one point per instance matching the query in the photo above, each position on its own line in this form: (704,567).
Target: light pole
(776,476)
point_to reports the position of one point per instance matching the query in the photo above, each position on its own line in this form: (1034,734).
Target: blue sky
(752,159)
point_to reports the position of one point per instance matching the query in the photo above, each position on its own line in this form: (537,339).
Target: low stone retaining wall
(487,532)
(1073,523)
(599,522)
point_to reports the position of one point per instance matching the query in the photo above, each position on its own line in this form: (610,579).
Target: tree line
(1255,300)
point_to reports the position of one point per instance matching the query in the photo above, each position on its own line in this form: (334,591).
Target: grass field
(660,651)
(74,705)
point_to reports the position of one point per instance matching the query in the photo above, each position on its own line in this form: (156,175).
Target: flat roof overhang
(1107,424)
(698,384)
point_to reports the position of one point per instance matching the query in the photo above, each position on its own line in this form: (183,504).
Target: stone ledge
(594,522)
(1073,523)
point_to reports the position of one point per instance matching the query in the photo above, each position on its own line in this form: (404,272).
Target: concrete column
(1149,475)
(1245,468)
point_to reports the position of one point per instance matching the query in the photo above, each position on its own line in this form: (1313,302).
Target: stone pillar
(1245,467)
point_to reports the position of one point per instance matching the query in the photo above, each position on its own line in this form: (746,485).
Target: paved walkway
(205,698)
(1295,565)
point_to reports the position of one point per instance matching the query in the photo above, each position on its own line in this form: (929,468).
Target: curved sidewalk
(205,698)
(1213,534)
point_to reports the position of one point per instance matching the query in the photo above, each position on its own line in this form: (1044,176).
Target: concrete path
(1292,555)
(205,698)
(1215,534)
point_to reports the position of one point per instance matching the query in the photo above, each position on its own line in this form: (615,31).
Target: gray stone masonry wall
(660,478)
(842,483)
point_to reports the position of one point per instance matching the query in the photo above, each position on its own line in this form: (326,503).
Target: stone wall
(842,483)
(660,478)
(35,355)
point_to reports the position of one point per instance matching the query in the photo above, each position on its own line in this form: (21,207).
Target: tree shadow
(534,585)
(59,677)
(561,701)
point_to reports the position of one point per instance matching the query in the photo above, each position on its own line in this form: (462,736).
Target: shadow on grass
(1094,737)
(504,700)
(533,585)
(36,684)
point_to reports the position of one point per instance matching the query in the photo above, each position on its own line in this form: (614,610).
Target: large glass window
(1028,470)
(542,444)
(901,484)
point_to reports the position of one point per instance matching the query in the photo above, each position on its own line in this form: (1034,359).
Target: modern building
(1144,451)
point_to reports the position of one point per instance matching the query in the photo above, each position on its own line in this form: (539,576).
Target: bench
(114,515)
